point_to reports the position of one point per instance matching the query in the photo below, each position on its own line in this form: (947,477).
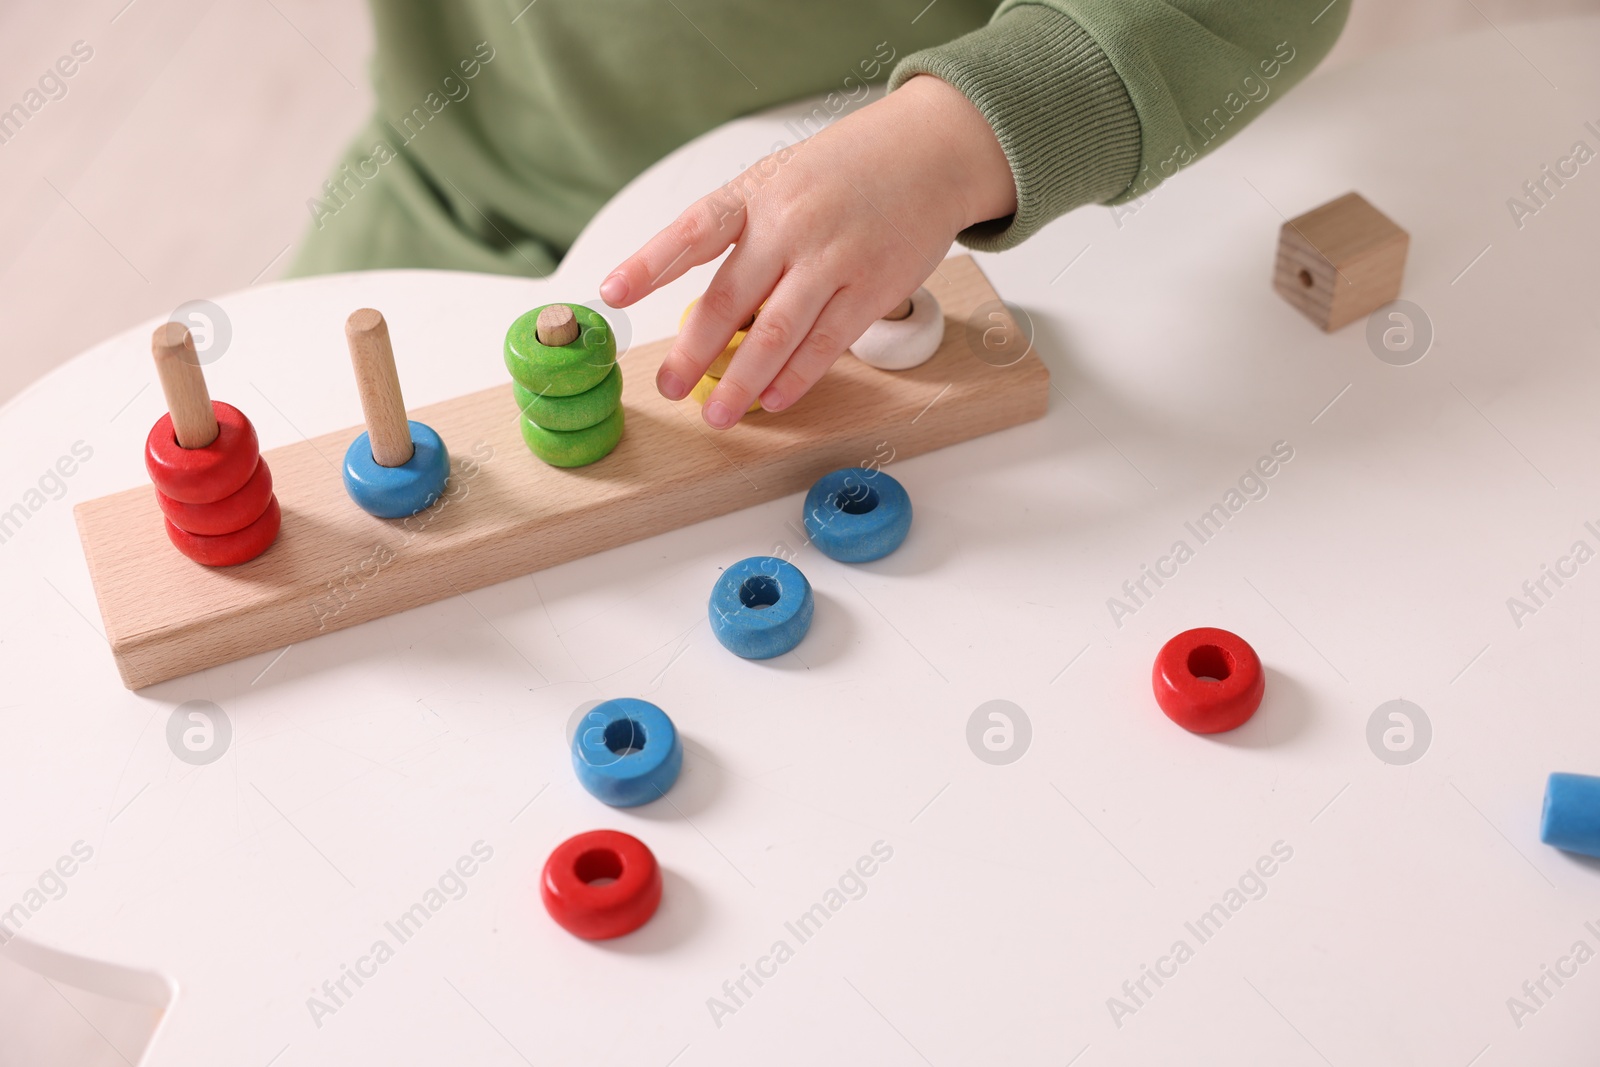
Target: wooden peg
(556,326)
(183,383)
(381,403)
(901,310)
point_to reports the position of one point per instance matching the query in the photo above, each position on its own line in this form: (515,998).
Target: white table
(1020,897)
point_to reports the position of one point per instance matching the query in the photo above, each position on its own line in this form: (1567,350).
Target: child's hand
(831,234)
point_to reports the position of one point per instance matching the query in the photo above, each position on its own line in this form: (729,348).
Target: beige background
(179,161)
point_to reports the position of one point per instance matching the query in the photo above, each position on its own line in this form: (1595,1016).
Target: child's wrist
(968,149)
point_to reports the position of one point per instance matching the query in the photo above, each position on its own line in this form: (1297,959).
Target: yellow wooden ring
(702,391)
(719,366)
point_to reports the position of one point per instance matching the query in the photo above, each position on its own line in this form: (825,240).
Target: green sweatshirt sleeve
(1098,101)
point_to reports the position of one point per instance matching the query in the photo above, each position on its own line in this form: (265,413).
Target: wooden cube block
(1340,262)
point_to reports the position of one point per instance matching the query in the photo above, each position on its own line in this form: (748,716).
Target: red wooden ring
(227,515)
(595,912)
(1208,680)
(203,475)
(226,550)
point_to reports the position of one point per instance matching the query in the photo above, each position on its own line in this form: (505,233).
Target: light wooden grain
(384,409)
(505,514)
(556,326)
(1340,262)
(194,422)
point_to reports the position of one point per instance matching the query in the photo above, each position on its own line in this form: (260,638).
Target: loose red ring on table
(1208,680)
(601,884)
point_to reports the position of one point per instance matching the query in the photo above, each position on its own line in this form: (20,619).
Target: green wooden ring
(567,413)
(565,371)
(574,448)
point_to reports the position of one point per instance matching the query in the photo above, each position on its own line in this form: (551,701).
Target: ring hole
(598,866)
(624,737)
(1208,663)
(760,592)
(857,499)
(1305,278)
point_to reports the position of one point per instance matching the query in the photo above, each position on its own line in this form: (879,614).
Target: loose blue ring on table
(1572,813)
(856,515)
(395,492)
(761,607)
(626,752)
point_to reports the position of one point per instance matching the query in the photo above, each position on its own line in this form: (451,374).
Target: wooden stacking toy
(397,467)
(719,366)
(211,483)
(563,364)
(504,513)
(906,337)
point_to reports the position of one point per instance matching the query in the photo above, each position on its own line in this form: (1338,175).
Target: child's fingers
(697,236)
(783,323)
(847,315)
(741,283)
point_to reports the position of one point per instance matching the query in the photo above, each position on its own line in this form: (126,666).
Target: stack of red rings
(218,499)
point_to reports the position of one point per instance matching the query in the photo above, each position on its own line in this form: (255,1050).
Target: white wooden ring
(891,344)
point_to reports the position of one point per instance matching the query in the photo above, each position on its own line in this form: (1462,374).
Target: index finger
(697,236)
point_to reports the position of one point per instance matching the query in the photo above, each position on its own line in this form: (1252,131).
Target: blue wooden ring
(395,492)
(761,607)
(626,752)
(855,515)
(1571,820)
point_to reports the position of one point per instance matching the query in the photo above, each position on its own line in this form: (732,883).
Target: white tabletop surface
(1019,897)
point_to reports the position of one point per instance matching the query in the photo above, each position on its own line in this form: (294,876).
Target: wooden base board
(506,514)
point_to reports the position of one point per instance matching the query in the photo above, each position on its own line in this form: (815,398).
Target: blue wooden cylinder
(1572,813)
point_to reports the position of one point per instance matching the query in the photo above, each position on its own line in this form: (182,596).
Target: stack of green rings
(570,396)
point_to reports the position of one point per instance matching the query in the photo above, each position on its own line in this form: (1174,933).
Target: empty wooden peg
(1340,262)
(381,403)
(193,421)
(557,326)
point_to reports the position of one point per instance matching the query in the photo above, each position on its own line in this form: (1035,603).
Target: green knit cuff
(1062,114)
